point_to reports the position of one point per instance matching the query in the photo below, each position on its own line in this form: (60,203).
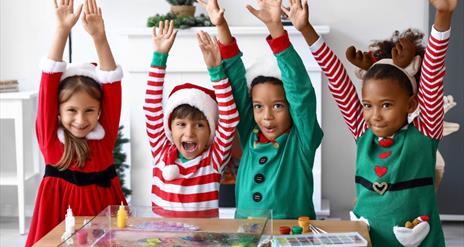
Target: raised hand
(403,52)
(215,13)
(163,39)
(444,5)
(444,13)
(210,49)
(298,14)
(358,58)
(65,15)
(270,14)
(92,20)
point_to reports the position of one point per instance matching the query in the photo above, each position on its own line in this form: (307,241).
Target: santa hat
(263,66)
(197,96)
(92,71)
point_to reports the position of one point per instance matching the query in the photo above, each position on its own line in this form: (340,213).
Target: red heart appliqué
(385,155)
(386,142)
(380,171)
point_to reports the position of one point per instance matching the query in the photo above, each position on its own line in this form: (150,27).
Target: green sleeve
(235,70)
(301,98)
(159,59)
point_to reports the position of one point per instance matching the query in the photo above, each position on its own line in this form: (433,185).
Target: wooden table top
(53,238)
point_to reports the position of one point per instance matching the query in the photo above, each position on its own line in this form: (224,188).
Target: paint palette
(325,239)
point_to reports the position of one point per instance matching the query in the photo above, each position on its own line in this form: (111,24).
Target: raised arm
(340,85)
(228,114)
(52,69)
(109,75)
(430,95)
(163,39)
(233,67)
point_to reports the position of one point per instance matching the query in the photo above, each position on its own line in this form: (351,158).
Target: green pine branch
(119,160)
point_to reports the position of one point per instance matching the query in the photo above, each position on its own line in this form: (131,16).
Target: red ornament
(380,171)
(386,142)
(385,155)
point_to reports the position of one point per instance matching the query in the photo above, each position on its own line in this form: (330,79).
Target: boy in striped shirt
(191,135)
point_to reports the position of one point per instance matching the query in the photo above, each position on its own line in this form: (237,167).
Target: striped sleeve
(430,95)
(341,87)
(228,118)
(153,107)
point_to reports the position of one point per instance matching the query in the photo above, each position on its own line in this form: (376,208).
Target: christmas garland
(181,22)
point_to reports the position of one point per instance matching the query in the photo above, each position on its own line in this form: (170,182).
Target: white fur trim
(412,237)
(413,115)
(265,65)
(51,66)
(83,69)
(96,134)
(109,76)
(195,98)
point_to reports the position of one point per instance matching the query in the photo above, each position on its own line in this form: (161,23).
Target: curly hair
(381,49)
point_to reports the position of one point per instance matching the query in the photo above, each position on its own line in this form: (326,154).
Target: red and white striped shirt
(430,95)
(196,192)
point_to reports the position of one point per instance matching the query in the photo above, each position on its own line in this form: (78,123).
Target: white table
(21,107)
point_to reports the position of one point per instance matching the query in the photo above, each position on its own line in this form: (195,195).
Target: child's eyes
(386,105)
(257,107)
(180,124)
(200,125)
(366,106)
(89,110)
(279,106)
(72,110)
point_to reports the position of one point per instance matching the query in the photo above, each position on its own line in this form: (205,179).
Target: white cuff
(109,76)
(440,35)
(317,45)
(52,66)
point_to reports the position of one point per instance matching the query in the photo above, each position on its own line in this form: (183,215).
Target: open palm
(92,19)
(163,39)
(215,13)
(298,13)
(269,12)
(65,15)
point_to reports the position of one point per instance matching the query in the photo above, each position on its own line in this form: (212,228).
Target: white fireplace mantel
(185,64)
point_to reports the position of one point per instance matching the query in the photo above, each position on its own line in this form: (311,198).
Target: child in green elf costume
(395,159)
(278,130)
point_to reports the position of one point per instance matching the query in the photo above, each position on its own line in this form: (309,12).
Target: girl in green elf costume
(395,159)
(278,129)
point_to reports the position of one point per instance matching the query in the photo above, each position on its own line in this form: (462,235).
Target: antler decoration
(403,52)
(362,60)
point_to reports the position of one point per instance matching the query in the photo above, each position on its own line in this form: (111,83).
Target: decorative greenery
(181,2)
(120,159)
(181,22)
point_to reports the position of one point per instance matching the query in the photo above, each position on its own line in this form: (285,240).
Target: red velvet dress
(86,190)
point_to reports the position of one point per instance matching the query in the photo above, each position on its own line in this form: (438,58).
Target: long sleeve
(111,103)
(228,118)
(235,70)
(153,106)
(298,91)
(47,113)
(430,95)
(341,87)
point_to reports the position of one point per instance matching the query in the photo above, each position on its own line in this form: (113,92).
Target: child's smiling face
(191,136)
(271,109)
(386,106)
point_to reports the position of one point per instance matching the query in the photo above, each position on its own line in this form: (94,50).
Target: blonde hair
(76,149)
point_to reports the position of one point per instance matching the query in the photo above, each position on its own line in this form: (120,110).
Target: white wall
(25,39)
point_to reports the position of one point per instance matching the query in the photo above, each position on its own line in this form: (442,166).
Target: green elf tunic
(276,175)
(403,169)
(395,175)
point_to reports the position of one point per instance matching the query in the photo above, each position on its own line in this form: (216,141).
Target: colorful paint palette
(326,239)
